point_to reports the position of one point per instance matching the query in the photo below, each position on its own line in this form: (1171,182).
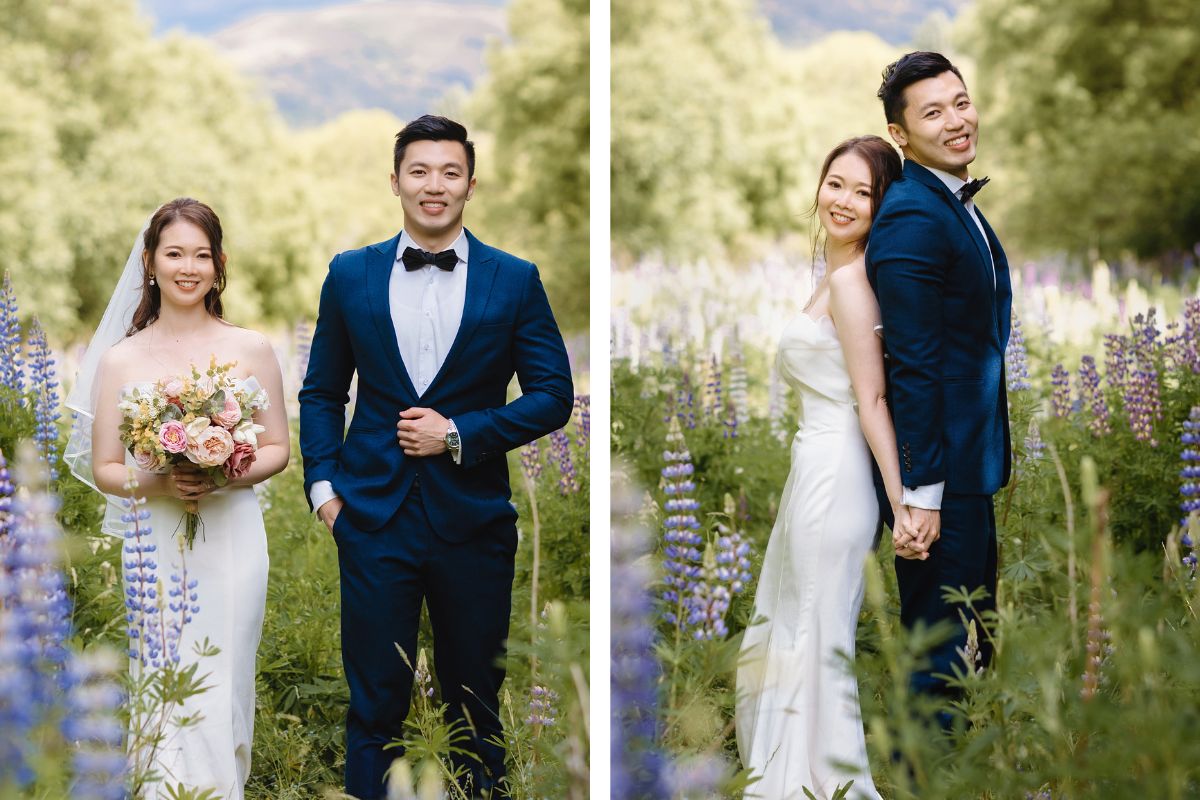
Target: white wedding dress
(798,719)
(228,561)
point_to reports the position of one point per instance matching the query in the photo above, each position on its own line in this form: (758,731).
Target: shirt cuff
(927,497)
(456,454)
(321,493)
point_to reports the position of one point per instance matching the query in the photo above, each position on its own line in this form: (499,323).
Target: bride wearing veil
(165,317)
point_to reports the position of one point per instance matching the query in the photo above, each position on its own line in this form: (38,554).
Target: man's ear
(897,134)
(395,185)
(471,188)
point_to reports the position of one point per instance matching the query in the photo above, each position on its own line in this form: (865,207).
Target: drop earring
(152,279)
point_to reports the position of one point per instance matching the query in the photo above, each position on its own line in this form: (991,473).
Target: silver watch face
(452,440)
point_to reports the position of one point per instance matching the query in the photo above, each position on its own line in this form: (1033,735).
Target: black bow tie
(414,259)
(971,188)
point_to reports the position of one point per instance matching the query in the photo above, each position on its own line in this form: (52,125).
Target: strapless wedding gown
(798,718)
(228,561)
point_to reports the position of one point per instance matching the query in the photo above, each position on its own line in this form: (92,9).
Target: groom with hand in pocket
(941,278)
(416,491)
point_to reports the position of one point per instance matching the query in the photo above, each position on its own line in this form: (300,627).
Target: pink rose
(239,462)
(173,436)
(231,416)
(173,388)
(147,460)
(211,447)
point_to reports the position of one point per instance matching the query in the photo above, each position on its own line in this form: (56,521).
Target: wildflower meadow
(1093,688)
(90,625)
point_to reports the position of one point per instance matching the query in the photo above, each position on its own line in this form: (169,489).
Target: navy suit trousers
(965,555)
(467,586)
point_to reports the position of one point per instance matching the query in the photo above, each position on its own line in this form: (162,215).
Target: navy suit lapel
(481,274)
(914,170)
(380,260)
(1003,280)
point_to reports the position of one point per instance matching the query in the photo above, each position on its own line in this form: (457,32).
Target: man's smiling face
(433,188)
(940,125)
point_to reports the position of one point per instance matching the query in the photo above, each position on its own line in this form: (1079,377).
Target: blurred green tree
(532,117)
(1095,105)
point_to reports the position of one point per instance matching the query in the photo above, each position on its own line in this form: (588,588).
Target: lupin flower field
(90,626)
(1094,685)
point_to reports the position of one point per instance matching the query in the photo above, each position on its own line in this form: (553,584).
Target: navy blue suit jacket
(945,330)
(507,327)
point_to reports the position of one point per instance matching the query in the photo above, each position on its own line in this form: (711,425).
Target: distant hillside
(399,56)
(209,16)
(894,21)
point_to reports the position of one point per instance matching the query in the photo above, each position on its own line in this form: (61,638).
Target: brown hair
(884,163)
(204,218)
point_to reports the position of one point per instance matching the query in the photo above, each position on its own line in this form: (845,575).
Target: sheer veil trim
(82,400)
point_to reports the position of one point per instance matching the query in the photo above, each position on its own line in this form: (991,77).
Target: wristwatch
(453,443)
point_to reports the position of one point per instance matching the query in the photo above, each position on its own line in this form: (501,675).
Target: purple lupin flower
(1016,358)
(1060,379)
(713,404)
(12,373)
(45,397)
(541,707)
(531,460)
(560,452)
(93,699)
(583,421)
(708,602)
(1091,397)
(635,759)
(1189,489)
(739,401)
(1116,360)
(730,422)
(682,405)
(1187,346)
(34,615)
(681,537)
(1142,404)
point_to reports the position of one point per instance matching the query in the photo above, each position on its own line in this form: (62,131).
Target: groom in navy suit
(942,282)
(416,492)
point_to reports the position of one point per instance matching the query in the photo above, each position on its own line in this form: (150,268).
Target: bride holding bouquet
(194,405)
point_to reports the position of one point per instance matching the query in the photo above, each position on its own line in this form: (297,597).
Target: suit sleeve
(544,374)
(326,389)
(908,252)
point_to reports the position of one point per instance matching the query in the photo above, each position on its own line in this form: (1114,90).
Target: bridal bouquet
(203,419)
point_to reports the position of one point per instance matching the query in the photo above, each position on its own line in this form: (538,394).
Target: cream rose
(173,388)
(211,447)
(197,427)
(248,432)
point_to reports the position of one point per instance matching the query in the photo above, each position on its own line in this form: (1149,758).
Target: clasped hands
(422,432)
(189,482)
(915,531)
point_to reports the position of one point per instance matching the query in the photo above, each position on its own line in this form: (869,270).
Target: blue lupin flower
(541,707)
(681,537)
(45,397)
(1016,358)
(1116,360)
(583,420)
(560,452)
(1189,489)
(636,760)
(531,460)
(1092,397)
(91,724)
(12,372)
(303,338)
(714,404)
(1060,379)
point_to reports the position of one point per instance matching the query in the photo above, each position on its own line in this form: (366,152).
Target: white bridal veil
(82,399)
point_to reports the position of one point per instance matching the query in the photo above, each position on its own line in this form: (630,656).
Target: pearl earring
(152,279)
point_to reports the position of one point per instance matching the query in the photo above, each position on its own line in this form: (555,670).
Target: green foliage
(1098,100)
(1091,692)
(101,123)
(533,108)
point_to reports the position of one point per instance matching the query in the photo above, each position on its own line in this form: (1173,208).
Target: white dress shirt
(930,497)
(427,307)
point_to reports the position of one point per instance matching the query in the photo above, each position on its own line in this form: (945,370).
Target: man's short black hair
(899,75)
(434,129)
